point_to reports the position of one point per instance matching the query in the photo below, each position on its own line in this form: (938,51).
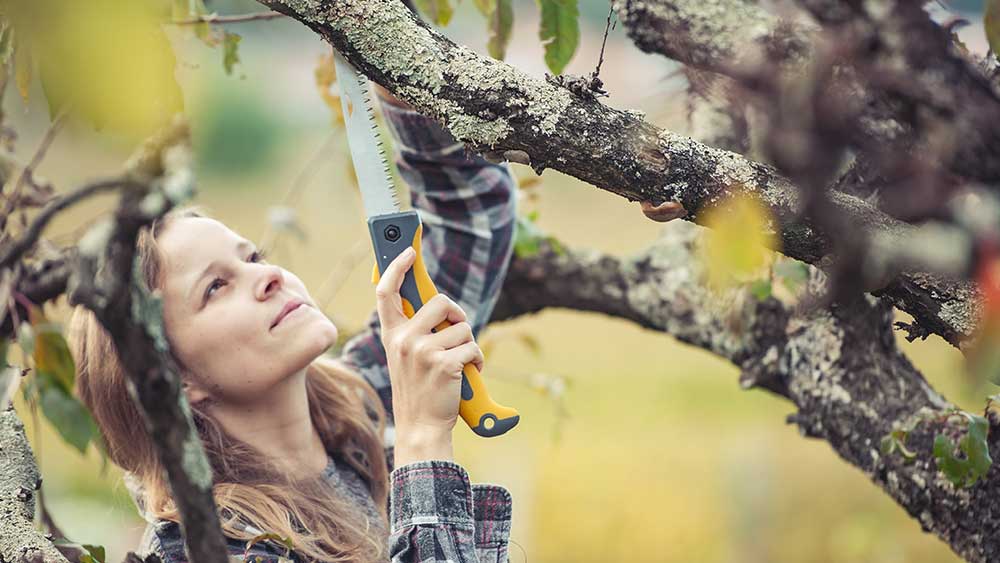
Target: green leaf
(444,11)
(230,51)
(438,11)
(991,24)
(501,21)
(975,447)
(53,360)
(485,7)
(761,289)
(68,416)
(97,551)
(527,237)
(965,471)
(191,9)
(792,273)
(6,42)
(559,32)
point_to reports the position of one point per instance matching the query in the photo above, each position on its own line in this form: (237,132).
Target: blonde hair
(247,489)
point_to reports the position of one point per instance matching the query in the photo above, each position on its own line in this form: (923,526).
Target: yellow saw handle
(389,233)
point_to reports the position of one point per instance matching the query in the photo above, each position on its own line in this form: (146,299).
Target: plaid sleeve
(467,206)
(436,515)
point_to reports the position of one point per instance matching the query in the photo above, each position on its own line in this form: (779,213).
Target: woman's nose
(270,282)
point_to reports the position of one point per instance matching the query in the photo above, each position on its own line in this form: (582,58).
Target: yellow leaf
(738,243)
(52,357)
(108,60)
(326,78)
(23,69)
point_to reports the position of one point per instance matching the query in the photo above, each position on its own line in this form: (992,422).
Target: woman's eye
(216,283)
(255,256)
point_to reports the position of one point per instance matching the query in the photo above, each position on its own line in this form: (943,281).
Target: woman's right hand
(425,367)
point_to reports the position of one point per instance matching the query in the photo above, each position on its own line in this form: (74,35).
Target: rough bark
(839,366)
(494,107)
(104,281)
(911,63)
(20,480)
(99,275)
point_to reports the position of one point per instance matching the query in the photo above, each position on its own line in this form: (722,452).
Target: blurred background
(632,447)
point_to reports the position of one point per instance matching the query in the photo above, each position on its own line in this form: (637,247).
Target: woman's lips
(288,308)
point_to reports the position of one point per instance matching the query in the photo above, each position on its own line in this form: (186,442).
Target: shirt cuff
(415,132)
(492,509)
(430,492)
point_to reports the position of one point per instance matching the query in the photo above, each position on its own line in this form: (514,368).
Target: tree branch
(20,542)
(492,106)
(839,366)
(905,47)
(104,280)
(13,252)
(216,18)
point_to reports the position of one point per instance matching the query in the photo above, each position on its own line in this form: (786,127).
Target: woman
(301,444)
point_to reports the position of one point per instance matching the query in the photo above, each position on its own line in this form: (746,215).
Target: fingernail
(409,251)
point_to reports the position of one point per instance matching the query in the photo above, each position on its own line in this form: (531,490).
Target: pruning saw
(393,230)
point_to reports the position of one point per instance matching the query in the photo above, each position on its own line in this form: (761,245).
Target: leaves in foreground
(960,449)
(559,32)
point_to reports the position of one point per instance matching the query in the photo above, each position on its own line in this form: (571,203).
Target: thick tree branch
(839,366)
(20,480)
(495,107)
(104,280)
(910,63)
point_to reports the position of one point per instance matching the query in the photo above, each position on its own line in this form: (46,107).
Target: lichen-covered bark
(716,35)
(103,280)
(716,115)
(840,367)
(20,542)
(493,106)
(732,36)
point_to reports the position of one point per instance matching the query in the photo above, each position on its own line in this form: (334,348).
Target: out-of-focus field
(662,458)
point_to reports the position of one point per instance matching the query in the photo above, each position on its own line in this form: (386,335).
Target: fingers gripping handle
(392,234)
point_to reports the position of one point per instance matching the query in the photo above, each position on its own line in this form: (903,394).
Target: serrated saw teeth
(367,152)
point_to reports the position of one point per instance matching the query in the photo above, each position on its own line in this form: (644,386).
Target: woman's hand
(425,367)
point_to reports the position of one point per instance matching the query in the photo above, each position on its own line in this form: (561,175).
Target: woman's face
(220,304)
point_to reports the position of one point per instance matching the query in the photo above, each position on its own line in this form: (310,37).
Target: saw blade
(367,152)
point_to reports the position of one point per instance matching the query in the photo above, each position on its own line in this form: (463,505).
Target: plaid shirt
(467,207)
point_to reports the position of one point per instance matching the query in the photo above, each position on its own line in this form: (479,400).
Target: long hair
(247,489)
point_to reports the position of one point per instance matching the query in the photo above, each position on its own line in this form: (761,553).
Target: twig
(604,43)
(47,520)
(18,248)
(268,238)
(335,280)
(216,18)
(26,173)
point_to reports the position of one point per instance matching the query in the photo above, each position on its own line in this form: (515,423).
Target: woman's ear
(195,391)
